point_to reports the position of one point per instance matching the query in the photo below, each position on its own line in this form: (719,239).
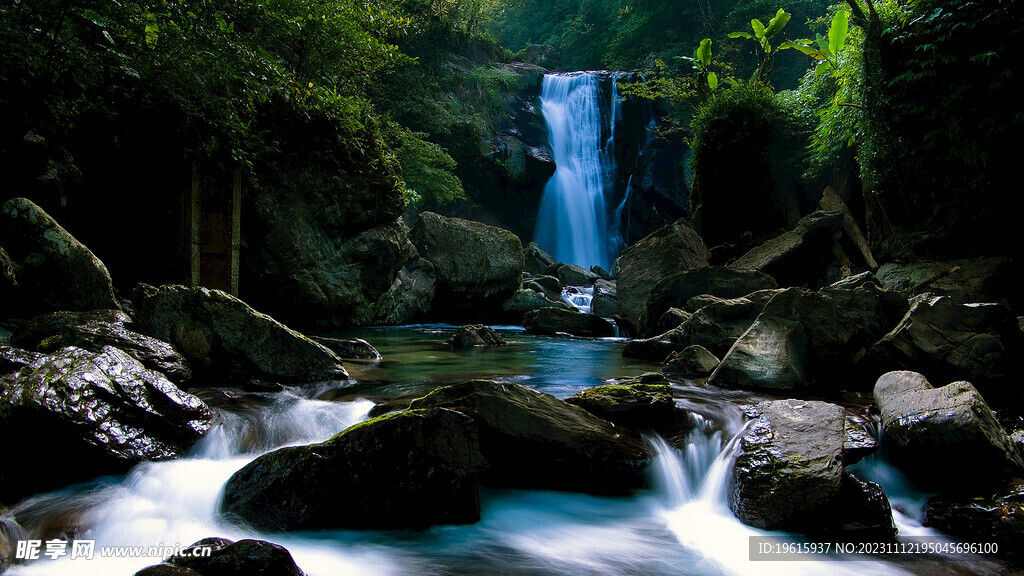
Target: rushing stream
(680,526)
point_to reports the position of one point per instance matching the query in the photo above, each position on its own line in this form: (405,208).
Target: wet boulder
(799,256)
(55,271)
(573,275)
(410,469)
(874,311)
(475,335)
(671,249)
(641,403)
(677,289)
(672,319)
(796,343)
(352,348)
(692,362)
(226,341)
(14,359)
(551,321)
(98,328)
(942,338)
(535,259)
(859,441)
(104,410)
(992,517)
(477,266)
(227,558)
(967,280)
(864,513)
(926,428)
(533,440)
(719,322)
(523,301)
(788,472)
(606,299)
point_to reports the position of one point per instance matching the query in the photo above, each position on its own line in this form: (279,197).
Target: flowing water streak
(572,222)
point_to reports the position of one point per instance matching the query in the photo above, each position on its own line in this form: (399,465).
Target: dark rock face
(925,428)
(641,403)
(573,275)
(873,310)
(355,348)
(864,512)
(242,558)
(799,256)
(477,266)
(796,343)
(677,289)
(524,301)
(968,280)
(937,336)
(692,362)
(475,335)
(551,321)
(985,518)
(224,338)
(532,440)
(535,259)
(789,470)
(10,292)
(98,328)
(55,271)
(858,443)
(14,359)
(671,249)
(672,319)
(105,410)
(606,299)
(406,470)
(717,325)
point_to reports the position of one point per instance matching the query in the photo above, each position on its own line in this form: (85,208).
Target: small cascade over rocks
(580,297)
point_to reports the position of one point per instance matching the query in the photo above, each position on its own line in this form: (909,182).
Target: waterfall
(573,223)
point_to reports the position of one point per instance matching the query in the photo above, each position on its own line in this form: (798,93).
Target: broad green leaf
(740,35)
(822,68)
(775,25)
(731,81)
(808,50)
(837,32)
(712,81)
(758,27)
(822,43)
(703,53)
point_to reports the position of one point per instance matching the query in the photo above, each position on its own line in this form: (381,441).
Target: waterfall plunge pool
(680,526)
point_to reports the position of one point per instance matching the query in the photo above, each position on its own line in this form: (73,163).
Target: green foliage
(826,51)
(763,36)
(427,169)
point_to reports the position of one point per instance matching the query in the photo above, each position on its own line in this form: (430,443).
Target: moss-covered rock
(533,440)
(405,470)
(635,403)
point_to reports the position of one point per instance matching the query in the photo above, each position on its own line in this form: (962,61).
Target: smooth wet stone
(644,402)
(13,359)
(966,280)
(227,558)
(410,469)
(926,428)
(573,275)
(672,319)
(606,299)
(858,443)
(677,289)
(475,335)
(523,301)
(865,514)
(352,348)
(550,321)
(692,362)
(105,411)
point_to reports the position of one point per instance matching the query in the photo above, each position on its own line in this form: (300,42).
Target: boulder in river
(524,301)
(477,266)
(641,403)
(606,299)
(55,271)
(692,362)
(672,249)
(351,348)
(104,410)
(925,429)
(227,558)
(535,441)
(864,514)
(410,469)
(551,321)
(475,335)
(224,338)
(799,256)
(98,328)
(788,472)
(677,289)
(573,275)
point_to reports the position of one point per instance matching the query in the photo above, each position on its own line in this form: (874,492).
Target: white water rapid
(572,222)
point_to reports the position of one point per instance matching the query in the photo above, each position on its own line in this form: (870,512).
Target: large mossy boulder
(719,281)
(535,441)
(477,266)
(411,469)
(311,270)
(227,558)
(944,339)
(925,429)
(54,270)
(788,472)
(799,256)
(641,403)
(98,328)
(672,249)
(227,341)
(103,412)
(551,321)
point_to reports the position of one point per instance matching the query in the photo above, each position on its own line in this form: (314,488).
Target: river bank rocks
(924,428)
(641,403)
(227,558)
(51,269)
(530,299)
(995,516)
(477,267)
(349,348)
(475,335)
(226,341)
(799,256)
(553,321)
(967,280)
(98,328)
(533,440)
(670,250)
(104,410)
(692,362)
(406,470)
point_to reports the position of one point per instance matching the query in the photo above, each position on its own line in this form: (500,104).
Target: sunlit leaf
(837,32)
(712,80)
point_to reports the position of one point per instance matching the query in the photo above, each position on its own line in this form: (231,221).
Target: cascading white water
(572,222)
